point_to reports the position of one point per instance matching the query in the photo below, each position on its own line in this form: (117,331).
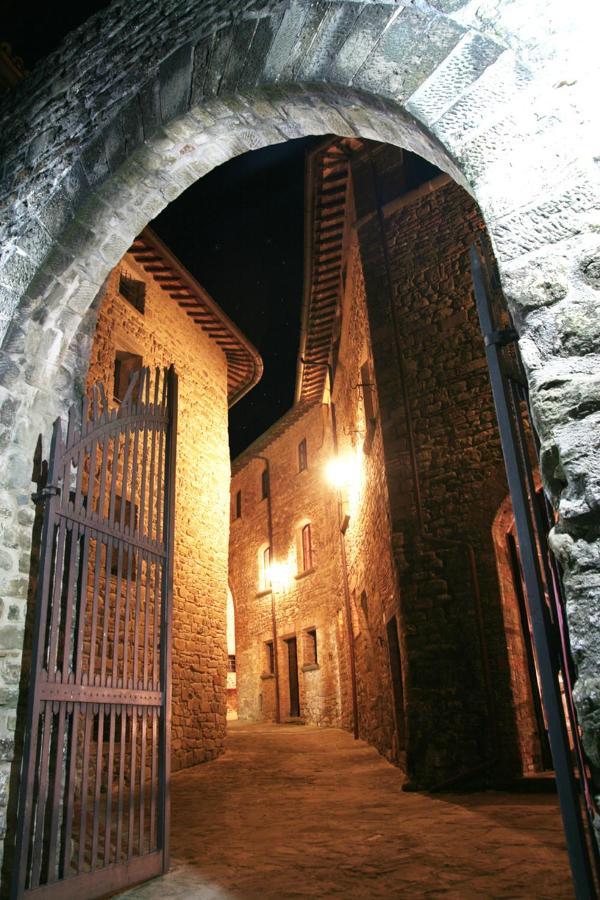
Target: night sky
(239,231)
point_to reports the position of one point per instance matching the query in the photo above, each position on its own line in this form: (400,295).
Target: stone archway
(143,100)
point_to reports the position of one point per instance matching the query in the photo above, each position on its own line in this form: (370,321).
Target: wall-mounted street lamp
(344,473)
(280,576)
(339,471)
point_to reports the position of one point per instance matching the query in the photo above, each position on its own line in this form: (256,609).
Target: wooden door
(292,645)
(93,809)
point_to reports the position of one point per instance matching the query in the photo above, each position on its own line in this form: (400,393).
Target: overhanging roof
(326,191)
(244,364)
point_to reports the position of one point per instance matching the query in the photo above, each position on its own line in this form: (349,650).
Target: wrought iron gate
(94,807)
(533,520)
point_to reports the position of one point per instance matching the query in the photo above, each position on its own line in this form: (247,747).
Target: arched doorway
(174,129)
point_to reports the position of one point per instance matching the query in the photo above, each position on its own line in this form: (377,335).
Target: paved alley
(304,812)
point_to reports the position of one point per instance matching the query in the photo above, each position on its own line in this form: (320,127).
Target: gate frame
(118,876)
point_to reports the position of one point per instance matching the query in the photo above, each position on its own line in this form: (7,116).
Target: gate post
(570,808)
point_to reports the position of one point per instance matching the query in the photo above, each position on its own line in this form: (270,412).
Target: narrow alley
(295,811)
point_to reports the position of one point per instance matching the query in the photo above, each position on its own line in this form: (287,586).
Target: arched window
(302,456)
(264,568)
(306,545)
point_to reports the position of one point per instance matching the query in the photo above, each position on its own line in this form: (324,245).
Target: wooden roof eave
(216,324)
(315,212)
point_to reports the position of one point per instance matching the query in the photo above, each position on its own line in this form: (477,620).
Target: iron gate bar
(554,594)
(517,580)
(544,522)
(168,528)
(546,655)
(88,822)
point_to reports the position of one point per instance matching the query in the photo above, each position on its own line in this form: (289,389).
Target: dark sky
(239,231)
(36,28)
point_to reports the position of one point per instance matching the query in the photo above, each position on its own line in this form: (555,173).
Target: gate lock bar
(51,490)
(501,337)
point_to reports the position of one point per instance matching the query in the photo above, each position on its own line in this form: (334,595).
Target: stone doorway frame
(499,98)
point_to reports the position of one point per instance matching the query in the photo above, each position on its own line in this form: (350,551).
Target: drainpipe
(342,536)
(422,532)
(273,616)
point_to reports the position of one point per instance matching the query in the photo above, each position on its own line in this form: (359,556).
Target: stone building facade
(278,490)
(444,469)
(430,632)
(152,329)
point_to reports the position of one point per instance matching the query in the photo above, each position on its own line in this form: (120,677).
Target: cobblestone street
(304,812)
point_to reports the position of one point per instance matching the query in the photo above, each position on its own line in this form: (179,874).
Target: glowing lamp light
(341,471)
(280,576)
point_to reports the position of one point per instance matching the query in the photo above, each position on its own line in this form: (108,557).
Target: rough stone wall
(311,599)
(317,599)
(460,707)
(371,576)
(502,95)
(163,335)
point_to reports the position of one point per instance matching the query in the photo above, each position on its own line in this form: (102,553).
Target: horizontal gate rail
(104,881)
(84,693)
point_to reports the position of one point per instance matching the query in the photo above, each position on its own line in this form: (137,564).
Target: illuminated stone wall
(164,334)
(310,600)
(317,599)
(467,697)
(444,500)
(371,578)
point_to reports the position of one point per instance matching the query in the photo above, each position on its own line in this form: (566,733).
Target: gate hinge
(50,490)
(501,337)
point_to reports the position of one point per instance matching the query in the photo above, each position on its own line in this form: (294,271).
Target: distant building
(378,601)
(153,313)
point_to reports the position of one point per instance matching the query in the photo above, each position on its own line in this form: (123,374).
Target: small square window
(265,484)
(302,456)
(125,366)
(231,662)
(270,657)
(133,291)
(311,657)
(237,513)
